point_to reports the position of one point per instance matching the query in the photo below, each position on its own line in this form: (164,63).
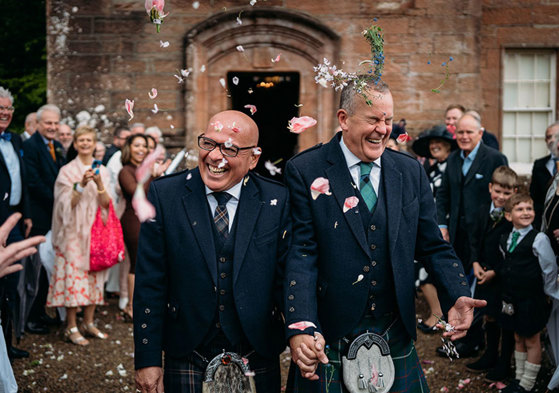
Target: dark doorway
(276,96)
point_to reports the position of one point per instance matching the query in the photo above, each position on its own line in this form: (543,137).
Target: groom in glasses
(210,266)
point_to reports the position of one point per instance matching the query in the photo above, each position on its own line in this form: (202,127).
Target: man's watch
(78,187)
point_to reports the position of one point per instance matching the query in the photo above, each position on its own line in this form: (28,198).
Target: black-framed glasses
(227,149)
(7,108)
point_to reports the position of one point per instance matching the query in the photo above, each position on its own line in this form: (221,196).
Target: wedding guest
(64,135)
(79,190)
(121,133)
(99,152)
(30,126)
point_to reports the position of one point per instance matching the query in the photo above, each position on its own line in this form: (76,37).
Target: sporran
(228,372)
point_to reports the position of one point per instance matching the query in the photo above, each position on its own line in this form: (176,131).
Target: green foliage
(23,64)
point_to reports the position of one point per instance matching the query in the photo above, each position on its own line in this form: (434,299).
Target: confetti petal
(203,68)
(223,163)
(129,108)
(273,202)
(228,142)
(155,109)
(319,186)
(163,44)
(276,59)
(403,138)
(256,151)
(252,2)
(252,108)
(274,170)
(153,93)
(222,82)
(196,5)
(350,203)
(218,126)
(301,325)
(299,124)
(240,48)
(359,278)
(235,80)
(239,21)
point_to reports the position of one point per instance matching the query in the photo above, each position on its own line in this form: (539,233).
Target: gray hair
(472,116)
(553,125)
(47,108)
(29,115)
(5,93)
(349,92)
(137,125)
(155,132)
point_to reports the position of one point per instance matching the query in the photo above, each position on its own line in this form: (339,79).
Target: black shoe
(36,328)
(483,364)
(514,387)
(15,353)
(46,320)
(426,329)
(498,374)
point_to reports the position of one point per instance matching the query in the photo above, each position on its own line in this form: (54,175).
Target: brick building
(504,63)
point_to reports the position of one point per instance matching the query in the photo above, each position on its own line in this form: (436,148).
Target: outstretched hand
(307,351)
(461,316)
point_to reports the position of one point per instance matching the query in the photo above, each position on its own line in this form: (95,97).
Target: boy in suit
(491,225)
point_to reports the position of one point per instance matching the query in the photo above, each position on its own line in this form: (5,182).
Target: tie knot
(515,234)
(222,198)
(6,136)
(365,168)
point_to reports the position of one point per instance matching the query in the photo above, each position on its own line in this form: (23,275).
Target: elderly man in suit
(542,172)
(13,199)
(361,214)
(43,158)
(210,265)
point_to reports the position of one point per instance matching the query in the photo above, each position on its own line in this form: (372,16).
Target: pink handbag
(107,243)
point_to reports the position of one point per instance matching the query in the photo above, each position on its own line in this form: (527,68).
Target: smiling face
(439,149)
(451,117)
(221,179)
(85,145)
(138,150)
(366,131)
(521,215)
(468,133)
(499,194)
(64,135)
(5,115)
(48,124)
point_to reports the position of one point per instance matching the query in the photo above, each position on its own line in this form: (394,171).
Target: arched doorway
(212,52)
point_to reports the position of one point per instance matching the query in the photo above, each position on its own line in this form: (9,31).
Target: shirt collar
(523,231)
(350,158)
(473,153)
(234,191)
(44,139)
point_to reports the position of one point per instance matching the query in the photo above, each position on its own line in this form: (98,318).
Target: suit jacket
(329,247)
(540,182)
(175,299)
(474,191)
(490,140)
(41,173)
(6,184)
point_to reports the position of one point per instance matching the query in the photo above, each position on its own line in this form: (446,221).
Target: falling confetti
(235,80)
(299,124)
(319,186)
(252,2)
(186,72)
(276,59)
(239,20)
(234,128)
(203,68)
(240,48)
(222,82)
(172,127)
(403,138)
(256,151)
(196,5)
(153,93)
(252,108)
(222,163)
(298,105)
(273,202)
(155,109)
(154,8)
(301,325)
(129,108)
(164,44)
(180,80)
(250,91)
(272,168)
(218,126)
(359,278)
(350,203)
(228,143)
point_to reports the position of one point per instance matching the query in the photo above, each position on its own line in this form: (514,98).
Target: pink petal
(299,124)
(252,108)
(320,185)
(301,325)
(499,385)
(129,108)
(374,375)
(153,93)
(276,59)
(144,210)
(218,126)
(144,170)
(403,138)
(350,203)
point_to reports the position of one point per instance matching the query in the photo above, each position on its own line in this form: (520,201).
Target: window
(528,103)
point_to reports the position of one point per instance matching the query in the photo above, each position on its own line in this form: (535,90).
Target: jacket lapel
(44,151)
(195,205)
(392,179)
(246,217)
(341,185)
(476,164)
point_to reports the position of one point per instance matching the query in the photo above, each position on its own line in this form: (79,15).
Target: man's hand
(307,351)
(149,380)
(28,225)
(487,276)
(15,251)
(461,316)
(445,235)
(478,271)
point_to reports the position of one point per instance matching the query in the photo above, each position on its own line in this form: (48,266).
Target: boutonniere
(59,152)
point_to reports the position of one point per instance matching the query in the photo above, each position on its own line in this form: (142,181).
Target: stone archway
(302,40)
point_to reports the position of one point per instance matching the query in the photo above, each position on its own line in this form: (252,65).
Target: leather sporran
(228,372)
(368,366)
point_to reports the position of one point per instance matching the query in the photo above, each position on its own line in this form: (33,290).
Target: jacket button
(144,326)
(292,283)
(373,228)
(291,297)
(291,309)
(374,283)
(173,309)
(223,275)
(374,263)
(221,307)
(218,325)
(455,264)
(461,274)
(373,246)
(147,311)
(463,283)
(222,260)
(222,291)
(373,306)
(366,269)
(145,341)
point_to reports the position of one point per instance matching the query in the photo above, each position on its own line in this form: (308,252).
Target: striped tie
(365,186)
(221,217)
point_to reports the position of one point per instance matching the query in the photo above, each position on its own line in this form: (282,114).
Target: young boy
(525,254)
(491,225)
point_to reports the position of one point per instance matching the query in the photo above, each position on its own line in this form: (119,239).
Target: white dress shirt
(12,163)
(353,165)
(232,204)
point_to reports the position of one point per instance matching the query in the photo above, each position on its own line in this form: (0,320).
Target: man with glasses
(209,268)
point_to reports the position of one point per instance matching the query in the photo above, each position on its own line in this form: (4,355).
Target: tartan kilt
(409,374)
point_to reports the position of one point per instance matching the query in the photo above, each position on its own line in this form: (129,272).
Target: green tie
(514,240)
(365,186)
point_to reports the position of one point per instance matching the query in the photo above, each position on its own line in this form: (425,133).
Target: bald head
(236,122)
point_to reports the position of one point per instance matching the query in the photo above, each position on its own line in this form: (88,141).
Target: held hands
(307,351)
(461,316)
(445,235)
(149,380)
(483,276)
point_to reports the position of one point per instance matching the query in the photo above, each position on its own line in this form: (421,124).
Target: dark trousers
(187,374)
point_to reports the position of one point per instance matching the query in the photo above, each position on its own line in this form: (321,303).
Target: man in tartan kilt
(361,215)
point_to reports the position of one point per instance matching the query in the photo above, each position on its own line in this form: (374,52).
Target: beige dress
(72,283)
